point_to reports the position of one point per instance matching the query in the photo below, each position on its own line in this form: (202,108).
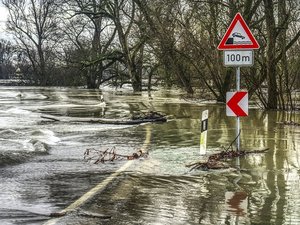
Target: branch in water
(215,160)
(109,155)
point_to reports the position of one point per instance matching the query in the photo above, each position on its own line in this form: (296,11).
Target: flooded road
(43,171)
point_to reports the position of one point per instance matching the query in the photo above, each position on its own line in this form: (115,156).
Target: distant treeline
(174,42)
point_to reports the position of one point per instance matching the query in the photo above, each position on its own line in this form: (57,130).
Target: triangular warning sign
(238,36)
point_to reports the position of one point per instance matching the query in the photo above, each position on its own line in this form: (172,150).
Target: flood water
(43,171)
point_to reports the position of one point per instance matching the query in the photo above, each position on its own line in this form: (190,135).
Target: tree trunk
(42,73)
(129,57)
(285,81)
(282,46)
(93,70)
(271,57)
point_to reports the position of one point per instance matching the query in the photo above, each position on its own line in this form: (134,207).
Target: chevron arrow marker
(237,103)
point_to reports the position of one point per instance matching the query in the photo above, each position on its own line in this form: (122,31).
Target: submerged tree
(278,38)
(131,41)
(90,35)
(33,24)
(7,51)
(165,38)
(127,41)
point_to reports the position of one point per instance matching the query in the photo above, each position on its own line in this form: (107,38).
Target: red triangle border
(238,18)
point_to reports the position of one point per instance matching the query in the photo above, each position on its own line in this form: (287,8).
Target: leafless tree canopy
(143,42)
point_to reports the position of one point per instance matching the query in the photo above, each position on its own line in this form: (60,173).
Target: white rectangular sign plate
(238,57)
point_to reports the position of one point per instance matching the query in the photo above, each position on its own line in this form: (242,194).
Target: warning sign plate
(238,36)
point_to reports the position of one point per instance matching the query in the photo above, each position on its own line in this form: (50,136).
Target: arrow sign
(237,103)
(238,36)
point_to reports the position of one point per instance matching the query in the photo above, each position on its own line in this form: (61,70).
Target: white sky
(3,16)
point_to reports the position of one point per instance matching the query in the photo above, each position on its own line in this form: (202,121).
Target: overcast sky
(3,15)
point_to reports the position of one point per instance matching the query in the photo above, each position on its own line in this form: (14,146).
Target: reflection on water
(42,170)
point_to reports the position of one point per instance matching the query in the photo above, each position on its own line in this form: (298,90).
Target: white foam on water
(18,111)
(45,136)
(34,145)
(8,133)
(32,96)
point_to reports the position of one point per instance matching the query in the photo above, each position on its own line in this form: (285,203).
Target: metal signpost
(238,44)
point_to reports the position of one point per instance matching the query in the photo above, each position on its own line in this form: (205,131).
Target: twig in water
(230,146)
(109,155)
(214,161)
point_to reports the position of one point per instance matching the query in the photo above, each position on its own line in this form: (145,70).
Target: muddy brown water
(43,171)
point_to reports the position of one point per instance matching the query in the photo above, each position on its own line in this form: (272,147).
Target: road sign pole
(238,43)
(238,71)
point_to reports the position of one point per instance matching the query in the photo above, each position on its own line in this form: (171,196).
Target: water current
(42,168)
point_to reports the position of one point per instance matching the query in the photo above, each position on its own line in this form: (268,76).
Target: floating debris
(93,215)
(150,117)
(291,123)
(214,161)
(109,155)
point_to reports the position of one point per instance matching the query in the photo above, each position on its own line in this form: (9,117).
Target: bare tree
(33,23)
(90,32)
(271,54)
(278,44)
(164,38)
(131,40)
(7,51)
(126,41)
